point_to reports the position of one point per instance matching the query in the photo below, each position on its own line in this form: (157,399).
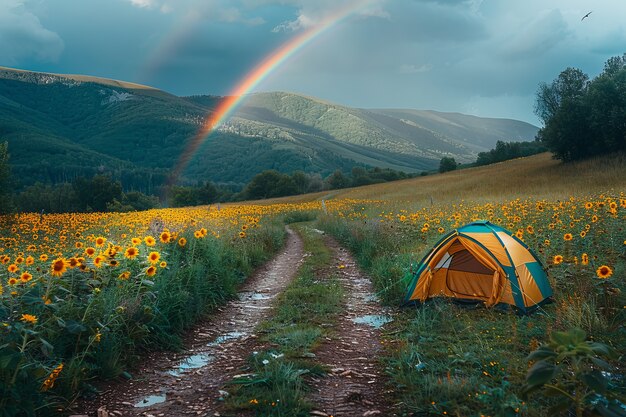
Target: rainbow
(226,106)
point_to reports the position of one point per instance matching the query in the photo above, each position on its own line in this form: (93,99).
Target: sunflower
(151,271)
(530,230)
(12,281)
(594,218)
(164,237)
(43,257)
(203,232)
(12,268)
(583,234)
(154,257)
(604,272)
(197,234)
(441,230)
(124,276)
(25,277)
(29,318)
(557,259)
(546,242)
(100,241)
(78,245)
(131,253)
(58,267)
(242,234)
(163,264)
(90,252)
(97,261)
(588,205)
(19,260)
(519,234)
(567,236)
(149,240)
(73,262)
(136,241)
(182,242)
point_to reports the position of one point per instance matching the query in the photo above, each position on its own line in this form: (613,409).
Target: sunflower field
(83,295)
(450,360)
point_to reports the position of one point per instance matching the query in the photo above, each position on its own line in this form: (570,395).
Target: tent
(482,262)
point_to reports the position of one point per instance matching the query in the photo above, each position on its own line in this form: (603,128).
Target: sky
(480,57)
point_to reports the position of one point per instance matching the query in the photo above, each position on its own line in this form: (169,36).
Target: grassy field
(82,295)
(448,360)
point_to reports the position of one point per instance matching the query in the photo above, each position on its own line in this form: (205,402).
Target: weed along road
(302,339)
(189,383)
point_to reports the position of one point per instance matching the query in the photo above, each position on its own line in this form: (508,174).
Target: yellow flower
(182,242)
(131,253)
(12,268)
(29,318)
(154,257)
(557,259)
(584,259)
(136,241)
(49,382)
(98,261)
(151,271)
(149,240)
(58,267)
(124,276)
(604,272)
(163,264)
(567,236)
(90,252)
(25,277)
(100,241)
(165,237)
(242,234)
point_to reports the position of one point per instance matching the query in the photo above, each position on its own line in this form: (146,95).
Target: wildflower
(182,242)
(98,261)
(154,257)
(100,241)
(97,337)
(136,241)
(58,267)
(29,318)
(19,260)
(131,253)
(588,205)
(567,236)
(530,230)
(90,252)
(49,382)
(25,277)
(604,272)
(165,237)
(149,240)
(197,234)
(29,260)
(583,234)
(12,281)
(12,268)
(203,232)
(557,259)
(151,271)
(78,245)
(163,264)
(242,234)
(584,259)
(124,276)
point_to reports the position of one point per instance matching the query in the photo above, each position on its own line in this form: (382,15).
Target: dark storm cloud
(482,57)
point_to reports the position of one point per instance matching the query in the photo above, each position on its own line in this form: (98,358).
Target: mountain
(62,126)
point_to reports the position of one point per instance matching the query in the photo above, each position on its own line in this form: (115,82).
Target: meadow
(82,296)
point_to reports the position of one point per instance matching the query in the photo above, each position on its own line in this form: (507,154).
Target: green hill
(62,126)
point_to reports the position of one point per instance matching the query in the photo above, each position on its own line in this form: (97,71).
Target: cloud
(414,69)
(22,36)
(538,37)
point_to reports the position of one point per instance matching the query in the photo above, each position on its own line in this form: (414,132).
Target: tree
(584,118)
(94,194)
(447,164)
(337,180)
(269,184)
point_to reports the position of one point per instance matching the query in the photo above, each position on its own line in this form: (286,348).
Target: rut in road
(356,384)
(188,384)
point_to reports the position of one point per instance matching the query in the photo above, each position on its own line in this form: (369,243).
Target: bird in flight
(586,16)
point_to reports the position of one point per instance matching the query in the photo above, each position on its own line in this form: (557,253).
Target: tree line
(583,117)
(104,193)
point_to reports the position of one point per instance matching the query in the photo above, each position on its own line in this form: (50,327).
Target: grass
(303,314)
(449,360)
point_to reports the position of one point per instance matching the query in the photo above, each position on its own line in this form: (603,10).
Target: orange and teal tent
(483,262)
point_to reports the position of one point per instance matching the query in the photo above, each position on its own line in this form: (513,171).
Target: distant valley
(62,126)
